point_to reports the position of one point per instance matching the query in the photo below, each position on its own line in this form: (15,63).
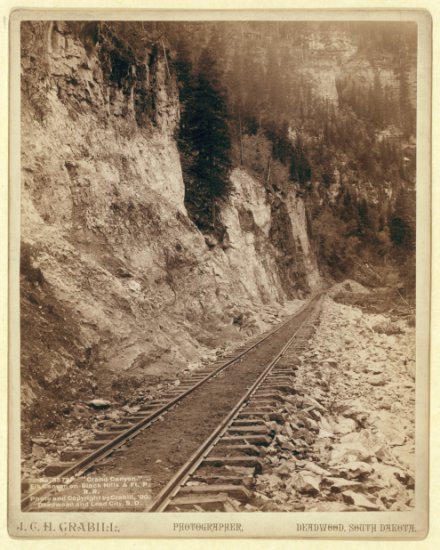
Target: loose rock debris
(347,442)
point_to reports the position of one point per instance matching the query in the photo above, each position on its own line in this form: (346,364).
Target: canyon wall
(116,280)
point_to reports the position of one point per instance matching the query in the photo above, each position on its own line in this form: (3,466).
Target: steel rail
(164,498)
(121,438)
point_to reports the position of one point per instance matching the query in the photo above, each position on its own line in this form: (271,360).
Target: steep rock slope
(118,284)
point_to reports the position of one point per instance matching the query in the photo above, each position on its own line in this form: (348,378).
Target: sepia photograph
(217,275)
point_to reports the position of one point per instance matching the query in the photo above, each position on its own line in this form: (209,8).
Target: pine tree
(204,142)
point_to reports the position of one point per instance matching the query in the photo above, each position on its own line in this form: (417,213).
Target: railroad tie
(268,417)
(282,384)
(248,422)
(56,468)
(239,460)
(118,427)
(245,448)
(263,440)
(258,403)
(260,407)
(91,445)
(235,491)
(282,379)
(264,393)
(136,418)
(65,456)
(252,414)
(250,430)
(208,503)
(104,435)
(219,478)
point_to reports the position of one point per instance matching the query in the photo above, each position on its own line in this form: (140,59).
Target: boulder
(315,468)
(304,482)
(357,470)
(99,404)
(358,499)
(38,452)
(338,484)
(286,468)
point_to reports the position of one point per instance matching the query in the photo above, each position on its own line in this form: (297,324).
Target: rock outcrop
(116,279)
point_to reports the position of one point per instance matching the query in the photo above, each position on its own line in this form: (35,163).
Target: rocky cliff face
(117,283)
(330,55)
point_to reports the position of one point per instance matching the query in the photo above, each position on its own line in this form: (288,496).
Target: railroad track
(75,463)
(222,469)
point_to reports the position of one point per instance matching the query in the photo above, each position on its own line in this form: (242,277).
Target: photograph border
(423,278)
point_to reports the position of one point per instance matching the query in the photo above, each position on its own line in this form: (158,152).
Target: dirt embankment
(68,416)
